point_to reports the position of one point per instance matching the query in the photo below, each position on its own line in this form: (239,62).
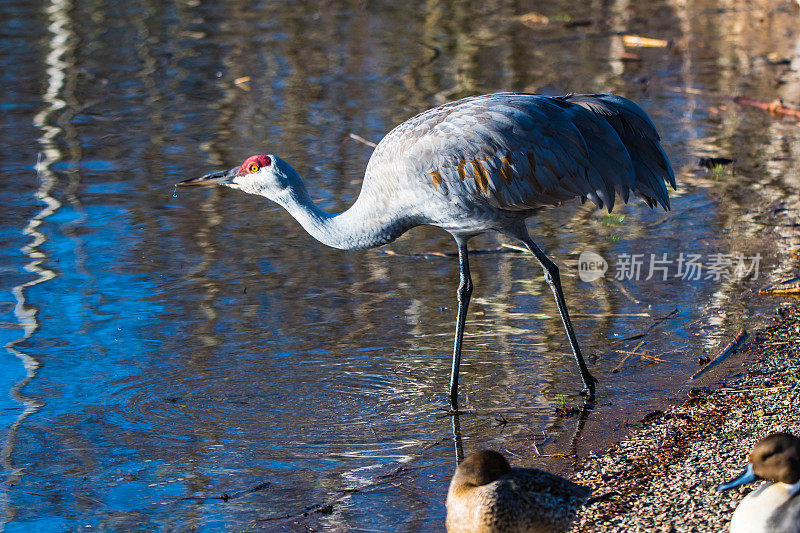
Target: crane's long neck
(371,221)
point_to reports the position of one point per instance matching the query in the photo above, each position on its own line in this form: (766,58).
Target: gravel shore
(662,477)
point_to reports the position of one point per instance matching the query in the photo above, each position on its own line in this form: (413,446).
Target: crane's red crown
(254,163)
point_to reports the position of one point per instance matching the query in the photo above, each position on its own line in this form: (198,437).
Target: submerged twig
(663,318)
(655,323)
(355,137)
(729,349)
(362,140)
(642,354)
(632,338)
(509,452)
(225,496)
(631,353)
(486,412)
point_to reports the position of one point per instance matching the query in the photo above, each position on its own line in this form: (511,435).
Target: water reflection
(185,348)
(48,120)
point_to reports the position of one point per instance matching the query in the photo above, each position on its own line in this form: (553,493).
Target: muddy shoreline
(661,477)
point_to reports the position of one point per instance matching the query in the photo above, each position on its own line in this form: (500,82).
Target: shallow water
(164,349)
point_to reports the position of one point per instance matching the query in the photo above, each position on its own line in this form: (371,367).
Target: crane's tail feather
(641,139)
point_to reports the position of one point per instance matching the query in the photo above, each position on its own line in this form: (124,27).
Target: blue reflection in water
(199,361)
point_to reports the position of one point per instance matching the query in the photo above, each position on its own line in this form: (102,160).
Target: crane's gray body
(487,162)
(482,163)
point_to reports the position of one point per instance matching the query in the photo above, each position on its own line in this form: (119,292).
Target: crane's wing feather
(521,151)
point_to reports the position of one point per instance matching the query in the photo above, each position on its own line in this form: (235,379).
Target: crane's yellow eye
(253,168)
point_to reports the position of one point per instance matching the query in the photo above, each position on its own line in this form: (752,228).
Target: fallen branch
(775,107)
(729,349)
(791,286)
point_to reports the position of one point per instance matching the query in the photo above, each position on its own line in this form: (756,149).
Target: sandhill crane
(481,163)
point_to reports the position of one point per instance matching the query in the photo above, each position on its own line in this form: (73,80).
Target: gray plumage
(482,163)
(486,495)
(517,152)
(786,518)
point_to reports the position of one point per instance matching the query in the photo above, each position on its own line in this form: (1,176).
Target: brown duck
(486,496)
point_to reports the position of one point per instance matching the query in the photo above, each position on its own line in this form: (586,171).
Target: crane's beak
(745,477)
(223,177)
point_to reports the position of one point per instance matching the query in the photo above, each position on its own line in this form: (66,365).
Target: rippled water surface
(193,359)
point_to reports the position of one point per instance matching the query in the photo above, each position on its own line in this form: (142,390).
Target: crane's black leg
(464,293)
(457,440)
(553,279)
